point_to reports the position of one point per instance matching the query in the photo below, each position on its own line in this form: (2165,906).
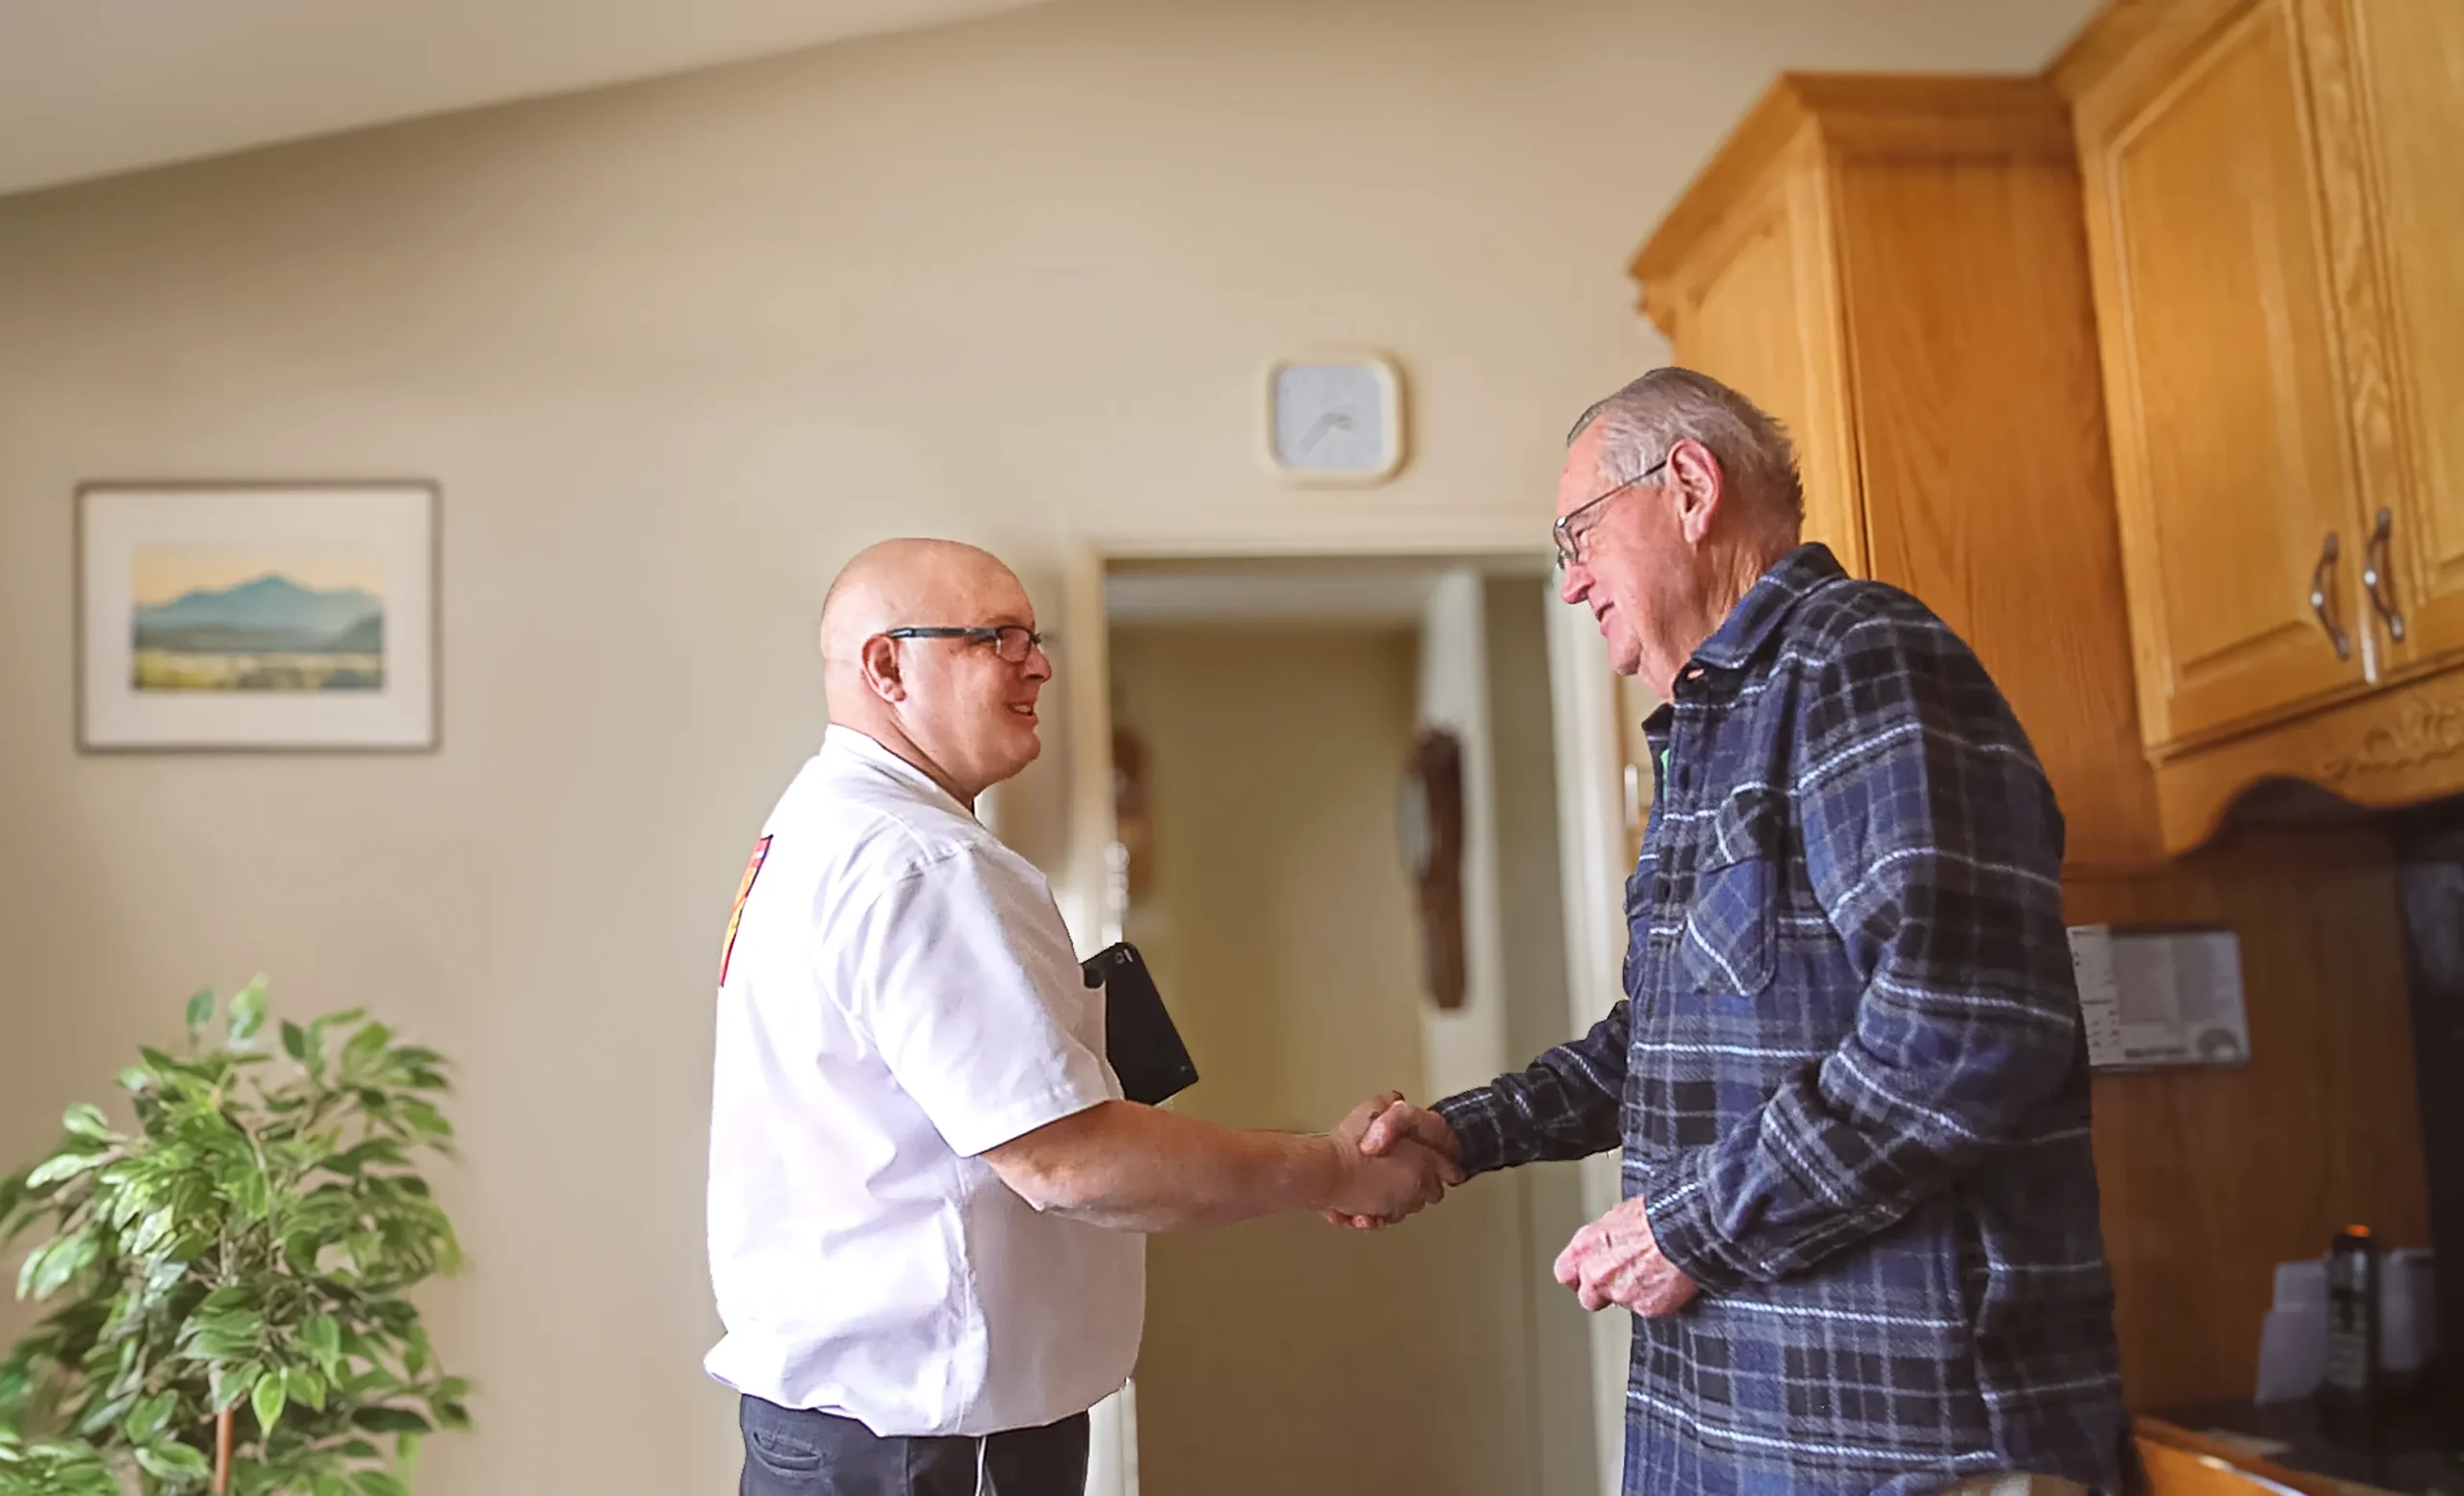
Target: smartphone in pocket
(1144,1048)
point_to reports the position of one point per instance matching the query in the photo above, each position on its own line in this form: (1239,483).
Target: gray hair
(1640,422)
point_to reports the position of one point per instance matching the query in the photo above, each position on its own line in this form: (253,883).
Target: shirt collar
(847,742)
(1766,604)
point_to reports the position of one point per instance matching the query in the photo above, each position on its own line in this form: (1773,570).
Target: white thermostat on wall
(1334,416)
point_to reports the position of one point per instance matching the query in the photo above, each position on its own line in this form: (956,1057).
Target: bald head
(905,584)
(948,705)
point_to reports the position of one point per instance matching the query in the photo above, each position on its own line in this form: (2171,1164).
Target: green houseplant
(227,1286)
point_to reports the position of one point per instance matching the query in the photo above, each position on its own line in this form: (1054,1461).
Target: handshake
(1398,1158)
(1394,1159)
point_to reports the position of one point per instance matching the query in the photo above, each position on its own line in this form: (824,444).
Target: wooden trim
(2395,747)
(2122,39)
(1854,115)
(2112,38)
(2109,277)
(1960,118)
(1725,180)
(1831,455)
(1670,299)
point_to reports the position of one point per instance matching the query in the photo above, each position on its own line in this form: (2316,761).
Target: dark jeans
(791,1453)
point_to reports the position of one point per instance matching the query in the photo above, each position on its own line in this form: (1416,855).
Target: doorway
(1261,716)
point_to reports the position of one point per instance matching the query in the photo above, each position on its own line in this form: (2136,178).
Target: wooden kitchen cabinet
(2273,212)
(1895,267)
(1755,292)
(2230,465)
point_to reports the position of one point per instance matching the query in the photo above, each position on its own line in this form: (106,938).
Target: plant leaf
(234,1383)
(364,1046)
(295,1041)
(389,1420)
(86,1120)
(51,1267)
(103,1415)
(165,1460)
(248,1011)
(323,1335)
(268,1401)
(305,1386)
(150,1417)
(64,1166)
(200,1010)
(376,1483)
(251,1196)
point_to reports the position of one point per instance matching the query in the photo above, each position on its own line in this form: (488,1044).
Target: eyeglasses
(1569,537)
(1013,642)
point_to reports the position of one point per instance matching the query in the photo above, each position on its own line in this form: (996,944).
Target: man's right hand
(1386,1131)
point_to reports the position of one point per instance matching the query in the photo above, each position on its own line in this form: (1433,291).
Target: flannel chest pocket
(1733,923)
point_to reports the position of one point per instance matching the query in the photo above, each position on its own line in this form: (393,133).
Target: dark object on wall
(1430,823)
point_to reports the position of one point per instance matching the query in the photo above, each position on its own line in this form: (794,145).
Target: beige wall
(672,351)
(1279,925)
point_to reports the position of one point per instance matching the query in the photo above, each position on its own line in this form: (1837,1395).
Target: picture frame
(257,616)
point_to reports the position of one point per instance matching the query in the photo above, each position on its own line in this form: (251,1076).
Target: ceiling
(88,88)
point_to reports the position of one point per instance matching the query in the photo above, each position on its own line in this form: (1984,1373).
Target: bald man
(927,1198)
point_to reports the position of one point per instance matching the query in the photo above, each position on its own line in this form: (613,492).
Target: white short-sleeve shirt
(899,994)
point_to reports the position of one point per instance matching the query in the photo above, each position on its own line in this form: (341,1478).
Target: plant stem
(222,1449)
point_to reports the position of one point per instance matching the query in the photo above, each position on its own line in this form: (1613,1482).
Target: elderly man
(926,1191)
(1859,1231)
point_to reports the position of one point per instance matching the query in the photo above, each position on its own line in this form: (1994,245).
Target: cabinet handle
(2318,602)
(2374,576)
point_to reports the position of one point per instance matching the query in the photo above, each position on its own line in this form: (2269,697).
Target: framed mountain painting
(264,616)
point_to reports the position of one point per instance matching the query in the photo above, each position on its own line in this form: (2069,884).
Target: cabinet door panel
(2230,453)
(2411,56)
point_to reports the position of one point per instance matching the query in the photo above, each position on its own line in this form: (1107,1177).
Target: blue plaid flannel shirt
(1848,1076)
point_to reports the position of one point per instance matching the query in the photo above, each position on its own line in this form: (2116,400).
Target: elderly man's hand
(1617,1260)
(1393,1128)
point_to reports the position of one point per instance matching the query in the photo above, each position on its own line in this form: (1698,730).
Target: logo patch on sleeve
(735,916)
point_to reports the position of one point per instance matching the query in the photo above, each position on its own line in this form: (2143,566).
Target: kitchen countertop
(2414,1447)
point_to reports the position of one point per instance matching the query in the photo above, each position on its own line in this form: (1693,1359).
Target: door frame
(1591,850)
